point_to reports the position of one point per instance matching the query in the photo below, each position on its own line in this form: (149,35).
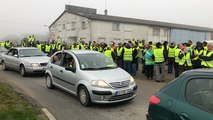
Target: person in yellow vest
(53,47)
(190,44)
(8,44)
(127,58)
(2,44)
(177,60)
(159,58)
(171,57)
(38,45)
(185,57)
(47,48)
(119,56)
(24,43)
(75,46)
(110,54)
(59,46)
(196,62)
(207,57)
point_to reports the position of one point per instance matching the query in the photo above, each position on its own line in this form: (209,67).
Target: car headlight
(100,83)
(35,65)
(132,81)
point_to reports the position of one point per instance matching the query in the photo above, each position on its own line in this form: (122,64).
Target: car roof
(25,48)
(199,71)
(82,51)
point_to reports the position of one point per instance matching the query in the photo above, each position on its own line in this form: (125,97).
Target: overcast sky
(29,16)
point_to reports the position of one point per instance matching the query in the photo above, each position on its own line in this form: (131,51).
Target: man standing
(159,58)
(207,57)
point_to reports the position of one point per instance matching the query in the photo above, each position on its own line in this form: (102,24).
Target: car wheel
(49,82)
(22,71)
(84,96)
(4,67)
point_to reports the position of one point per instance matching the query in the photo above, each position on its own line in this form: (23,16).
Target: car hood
(110,75)
(40,59)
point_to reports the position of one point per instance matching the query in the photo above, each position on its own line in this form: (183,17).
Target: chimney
(105,12)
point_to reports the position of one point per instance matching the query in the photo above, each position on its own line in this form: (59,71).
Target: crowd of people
(154,57)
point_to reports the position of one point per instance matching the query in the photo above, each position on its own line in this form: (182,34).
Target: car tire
(3,65)
(22,71)
(49,82)
(84,96)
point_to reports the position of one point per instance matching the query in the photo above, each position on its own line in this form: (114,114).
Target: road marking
(48,114)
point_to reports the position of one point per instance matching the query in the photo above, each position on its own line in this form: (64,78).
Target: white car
(91,76)
(25,60)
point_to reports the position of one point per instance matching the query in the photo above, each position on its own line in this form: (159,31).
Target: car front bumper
(109,95)
(35,69)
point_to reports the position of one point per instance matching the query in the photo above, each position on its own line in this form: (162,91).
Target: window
(199,93)
(116,27)
(10,53)
(83,25)
(156,32)
(56,59)
(73,25)
(68,61)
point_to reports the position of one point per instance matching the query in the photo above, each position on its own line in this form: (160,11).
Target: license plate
(122,92)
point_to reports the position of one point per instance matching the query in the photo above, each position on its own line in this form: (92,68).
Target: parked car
(189,97)
(2,50)
(25,60)
(91,76)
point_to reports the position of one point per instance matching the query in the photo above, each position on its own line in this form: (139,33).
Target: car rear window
(199,93)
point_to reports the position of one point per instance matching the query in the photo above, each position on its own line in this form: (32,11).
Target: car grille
(120,97)
(120,84)
(43,64)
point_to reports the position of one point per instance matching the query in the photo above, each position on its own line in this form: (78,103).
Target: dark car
(189,97)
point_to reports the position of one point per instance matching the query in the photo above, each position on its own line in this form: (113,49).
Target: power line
(10,22)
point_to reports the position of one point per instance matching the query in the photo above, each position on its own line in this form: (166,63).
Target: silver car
(2,50)
(25,60)
(91,76)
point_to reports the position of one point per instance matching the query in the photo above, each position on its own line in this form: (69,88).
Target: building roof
(91,14)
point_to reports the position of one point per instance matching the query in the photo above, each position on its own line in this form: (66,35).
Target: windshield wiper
(89,68)
(38,55)
(26,56)
(102,68)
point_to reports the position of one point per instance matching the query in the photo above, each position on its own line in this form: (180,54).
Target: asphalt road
(64,106)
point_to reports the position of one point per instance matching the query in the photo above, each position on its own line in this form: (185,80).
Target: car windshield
(30,53)
(95,61)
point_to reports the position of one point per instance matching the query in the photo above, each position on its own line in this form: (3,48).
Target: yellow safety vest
(75,47)
(177,51)
(127,54)
(207,63)
(171,52)
(47,48)
(119,51)
(39,46)
(197,53)
(108,53)
(186,59)
(158,53)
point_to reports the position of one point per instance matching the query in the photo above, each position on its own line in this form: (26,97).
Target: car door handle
(184,116)
(61,71)
(51,66)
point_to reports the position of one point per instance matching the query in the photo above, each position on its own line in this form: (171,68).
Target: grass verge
(14,106)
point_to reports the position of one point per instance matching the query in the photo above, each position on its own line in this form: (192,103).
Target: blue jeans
(128,66)
(134,69)
(120,63)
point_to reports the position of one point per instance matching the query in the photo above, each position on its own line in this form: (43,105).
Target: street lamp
(48,31)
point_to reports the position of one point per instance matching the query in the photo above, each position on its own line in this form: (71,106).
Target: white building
(77,23)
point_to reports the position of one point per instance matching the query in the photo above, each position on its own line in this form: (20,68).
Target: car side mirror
(70,69)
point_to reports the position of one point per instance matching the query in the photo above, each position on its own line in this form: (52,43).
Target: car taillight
(154,100)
